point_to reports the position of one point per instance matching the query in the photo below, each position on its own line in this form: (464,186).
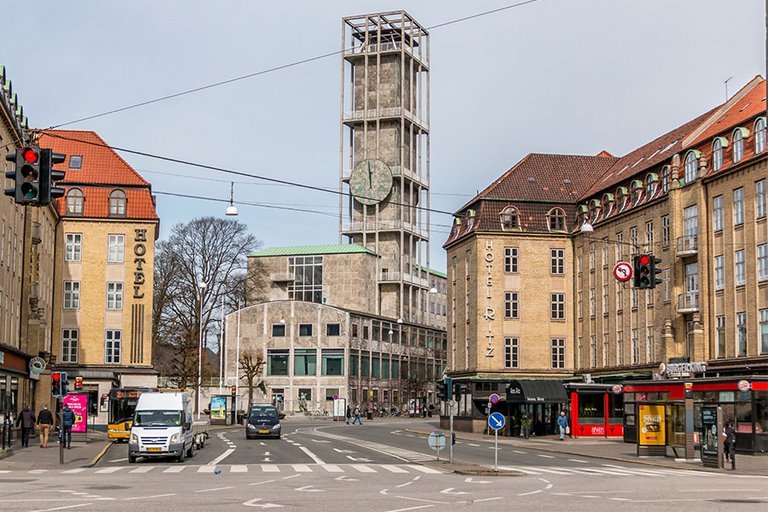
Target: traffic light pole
(61,430)
(450,438)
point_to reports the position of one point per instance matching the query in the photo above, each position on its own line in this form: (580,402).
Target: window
(740,272)
(305,362)
(650,184)
(764,331)
(665,231)
(511,353)
(593,351)
(558,306)
(760,135)
(75,202)
(635,347)
(117,200)
(73,247)
(333,329)
(511,306)
(608,204)
(116,249)
(741,334)
(605,299)
(71,294)
(114,296)
(510,260)
(691,222)
(453,269)
(665,179)
(619,348)
(619,297)
(333,362)
(619,246)
(762,262)
(667,279)
(592,302)
(738,206)
(605,248)
(633,238)
(592,256)
(719,273)
(278,330)
(510,218)
(556,219)
(738,145)
(720,335)
(467,264)
(717,213)
(69,343)
(557,261)
(558,353)
(650,349)
(633,298)
(277,362)
(579,348)
(760,199)
(691,167)
(305,329)
(307,272)
(112,347)
(76,162)
(580,304)
(717,157)
(649,235)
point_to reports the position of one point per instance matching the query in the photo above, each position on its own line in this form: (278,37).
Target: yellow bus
(122,405)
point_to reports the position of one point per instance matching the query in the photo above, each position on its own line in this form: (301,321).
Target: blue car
(263,421)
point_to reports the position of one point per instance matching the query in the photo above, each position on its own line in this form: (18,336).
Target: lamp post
(237,357)
(222,332)
(200,285)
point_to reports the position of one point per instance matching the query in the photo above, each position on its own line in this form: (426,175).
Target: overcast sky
(560,76)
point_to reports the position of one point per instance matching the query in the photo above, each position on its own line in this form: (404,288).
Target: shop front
(15,388)
(534,404)
(596,410)
(743,402)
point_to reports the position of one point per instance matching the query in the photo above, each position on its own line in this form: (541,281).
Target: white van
(162,427)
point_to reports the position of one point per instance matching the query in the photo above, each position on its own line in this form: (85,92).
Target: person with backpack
(45,422)
(68,420)
(357,413)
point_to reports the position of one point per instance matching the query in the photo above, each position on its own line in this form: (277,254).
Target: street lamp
(231,209)
(200,285)
(587,228)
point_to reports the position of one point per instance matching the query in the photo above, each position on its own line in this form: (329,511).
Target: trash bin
(369,415)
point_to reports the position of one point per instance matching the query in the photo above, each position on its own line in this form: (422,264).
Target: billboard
(78,402)
(652,427)
(219,407)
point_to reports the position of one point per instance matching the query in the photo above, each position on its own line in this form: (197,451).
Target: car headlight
(134,439)
(276,426)
(251,426)
(175,438)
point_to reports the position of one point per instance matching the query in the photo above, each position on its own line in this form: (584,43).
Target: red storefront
(596,410)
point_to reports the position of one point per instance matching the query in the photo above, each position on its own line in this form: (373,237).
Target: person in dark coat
(68,419)
(27,421)
(730,443)
(45,423)
(349,413)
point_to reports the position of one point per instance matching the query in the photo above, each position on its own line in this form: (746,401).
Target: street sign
(494,398)
(335,396)
(436,440)
(496,421)
(622,271)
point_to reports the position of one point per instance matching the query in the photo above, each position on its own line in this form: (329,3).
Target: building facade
(105,238)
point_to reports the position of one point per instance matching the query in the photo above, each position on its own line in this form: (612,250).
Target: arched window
(608,204)
(510,218)
(691,166)
(759,135)
(637,192)
(595,209)
(622,196)
(75,202)
(738,143)
(556,218)
(651,184)
(717,157)
(117,200)
(470,220)
(456,227)
(665,178)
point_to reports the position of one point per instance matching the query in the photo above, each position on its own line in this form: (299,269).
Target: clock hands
(370,177)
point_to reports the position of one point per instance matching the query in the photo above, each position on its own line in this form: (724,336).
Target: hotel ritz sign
(139,251)
(490,313)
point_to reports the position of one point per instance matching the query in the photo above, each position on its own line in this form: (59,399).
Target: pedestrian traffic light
(49,176)
(78,383)
(64,384)
(56,384)
(26,175)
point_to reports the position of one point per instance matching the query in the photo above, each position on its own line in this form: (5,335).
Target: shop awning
(536,391)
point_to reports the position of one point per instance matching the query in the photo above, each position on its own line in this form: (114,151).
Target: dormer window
(691,166)
(470,219)
(76,162)
(456,227)
(594,211)
(622,196)
(556,219)
(608,204)
(651,182)
(510,218)
(717,156)
(665,171)
(75,202)
(759,135)
(117,201)
(739,134)
(637,192)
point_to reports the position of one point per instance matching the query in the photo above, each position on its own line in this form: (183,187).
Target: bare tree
(252,365)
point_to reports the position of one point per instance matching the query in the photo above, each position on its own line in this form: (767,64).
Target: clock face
(370,182)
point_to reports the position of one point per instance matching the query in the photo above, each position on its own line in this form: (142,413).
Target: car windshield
(263,412)
(157,419)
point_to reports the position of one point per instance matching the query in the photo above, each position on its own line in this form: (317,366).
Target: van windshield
(263,412)
(157,419)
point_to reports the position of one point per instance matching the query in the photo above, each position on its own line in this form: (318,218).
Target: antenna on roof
(726,87)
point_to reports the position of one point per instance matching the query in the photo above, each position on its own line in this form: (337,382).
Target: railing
(394,277)
(385,47)
(687,245)
(688,302)
(384,225)
(282,277)
(373,113)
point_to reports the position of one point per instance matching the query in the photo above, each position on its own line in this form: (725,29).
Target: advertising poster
(651,425)
(219,407)
(79,404)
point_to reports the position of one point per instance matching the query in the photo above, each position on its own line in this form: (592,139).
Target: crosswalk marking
(301,468)
(270,468)
(174,469)
(239,468)
(206,469)
(332,468)
(425,469)
(363,468)
(110,470)
(76,470)
(392,468)
(144,469)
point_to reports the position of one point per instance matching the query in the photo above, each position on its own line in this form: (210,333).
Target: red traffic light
(30,155)
(645,259)
(56,376)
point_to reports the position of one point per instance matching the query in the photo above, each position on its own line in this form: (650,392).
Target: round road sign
(494,398)
(496,421)
(622,271)
(436,440)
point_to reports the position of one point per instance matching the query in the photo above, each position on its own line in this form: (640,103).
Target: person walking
(356,413)
(349,413)
(44,422)
(27,421)
(68,419)
(562,423)
(730,444)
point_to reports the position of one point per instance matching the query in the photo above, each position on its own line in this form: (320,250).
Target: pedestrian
(356,413)
(349,413)
(68,419)
(45,422)
(562,423)
(27,421)
(730,444)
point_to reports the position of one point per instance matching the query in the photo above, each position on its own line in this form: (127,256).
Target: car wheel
(181,457)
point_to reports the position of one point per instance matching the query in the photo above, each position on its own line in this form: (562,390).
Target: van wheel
(131,459)
(182,454)
(191,451)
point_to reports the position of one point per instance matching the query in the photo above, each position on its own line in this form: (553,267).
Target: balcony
(282,277)
(372,114)
(687,246)
(390,46)
(395,277)
(688,303)
(384,225)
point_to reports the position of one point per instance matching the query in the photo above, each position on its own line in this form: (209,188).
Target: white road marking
(579,460)
(308,488)
(119,460)
(547,456)
(110,470)
(469,480)
(312,456)
(255,503)
(529,493)
(144,469)
(301,468)
(344,478)
(76,470)
(217,489)
(149,497)
(270,468)
(343,451)
(331,468)
(320,441)
(393,469)
(488,499)
(239,468)
(425,469)
(262,443)
(37,471)
(473,444)
(520,452)
(410,508)
(62,508)
(451,490)
(362,468)
(174,469)
(264,482)
(206,469)
(221,457)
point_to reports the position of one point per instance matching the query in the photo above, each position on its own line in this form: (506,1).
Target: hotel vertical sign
(490,313)
(139,251)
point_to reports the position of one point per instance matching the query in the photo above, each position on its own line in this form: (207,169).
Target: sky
(553,76)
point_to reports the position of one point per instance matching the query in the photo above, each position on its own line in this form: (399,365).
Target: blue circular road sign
(496,421)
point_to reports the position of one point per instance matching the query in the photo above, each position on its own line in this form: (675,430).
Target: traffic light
(460,389)
(441,391)
(645,271)
(26,175)
(78,383)
(64,384)
(49,176)
(56,384)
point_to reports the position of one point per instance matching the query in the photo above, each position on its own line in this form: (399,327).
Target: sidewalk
(81,454)
(608,449)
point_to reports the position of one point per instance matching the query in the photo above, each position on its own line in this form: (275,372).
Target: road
(326,466)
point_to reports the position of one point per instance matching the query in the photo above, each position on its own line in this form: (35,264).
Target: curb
(98,456)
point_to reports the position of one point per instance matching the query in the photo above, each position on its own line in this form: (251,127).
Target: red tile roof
(102,172)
